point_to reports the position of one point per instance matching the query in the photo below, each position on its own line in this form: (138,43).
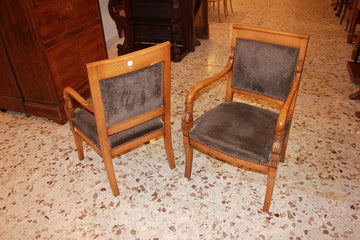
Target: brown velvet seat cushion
(85,122)
(238,129)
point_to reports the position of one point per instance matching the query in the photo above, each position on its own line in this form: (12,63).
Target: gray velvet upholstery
(238,129)
(85,122)
(259,66)
(129,95)
(124,97)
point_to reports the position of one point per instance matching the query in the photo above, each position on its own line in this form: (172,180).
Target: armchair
(130,106)
(263,65)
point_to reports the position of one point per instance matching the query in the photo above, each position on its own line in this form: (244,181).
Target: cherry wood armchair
(130,105)
(264,65)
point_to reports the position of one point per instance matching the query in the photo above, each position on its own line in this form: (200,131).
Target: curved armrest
(190,97)
(284,112)
(187,117)
(69,95)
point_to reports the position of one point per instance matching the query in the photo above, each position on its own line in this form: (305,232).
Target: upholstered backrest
(132,94)
(264,68)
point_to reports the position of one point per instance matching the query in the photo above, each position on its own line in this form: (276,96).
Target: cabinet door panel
(67,59)
(10,97)
(25,53)
(57,17)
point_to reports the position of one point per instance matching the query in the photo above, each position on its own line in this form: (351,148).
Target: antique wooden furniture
(201,19)
(264,65)
(130,106)
(354,71)
(353,20)
(353,66)
(117,13)
(44,46)
(355,95)
(148,22)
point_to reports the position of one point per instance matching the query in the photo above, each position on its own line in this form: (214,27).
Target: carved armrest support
(187,119)
(71,95)
(278,142)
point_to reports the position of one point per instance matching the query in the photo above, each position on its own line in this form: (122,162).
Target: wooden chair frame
(286,108)
(114,67)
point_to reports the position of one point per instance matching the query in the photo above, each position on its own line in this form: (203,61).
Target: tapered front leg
(168,147)
(188,157)
(79,146)
(269,189)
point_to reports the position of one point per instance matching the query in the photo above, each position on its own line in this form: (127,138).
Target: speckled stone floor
(47,193)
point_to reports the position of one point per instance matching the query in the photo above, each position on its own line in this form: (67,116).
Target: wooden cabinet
(44,47)
(10,96)
(148,22)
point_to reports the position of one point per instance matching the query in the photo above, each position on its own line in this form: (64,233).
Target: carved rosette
(187,119)
(278,142)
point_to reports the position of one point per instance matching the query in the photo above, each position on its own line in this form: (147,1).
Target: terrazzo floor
(47,193)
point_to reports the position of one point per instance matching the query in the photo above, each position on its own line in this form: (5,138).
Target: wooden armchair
(130,106)
(263,64)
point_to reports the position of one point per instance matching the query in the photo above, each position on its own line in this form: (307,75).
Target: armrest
(187,117)
(284,112)
(71,95)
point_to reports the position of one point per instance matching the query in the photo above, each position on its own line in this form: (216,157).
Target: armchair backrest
(134,87)
(132,94)
(265,62)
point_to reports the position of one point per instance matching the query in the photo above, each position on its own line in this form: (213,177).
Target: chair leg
(188,157)
(339,9)
(111,174)
(226,13)
(168,147)
(231,6)
(218,7)
(79,146)
(219,11)
(269,189)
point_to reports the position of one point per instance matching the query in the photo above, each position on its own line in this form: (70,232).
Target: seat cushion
(85,122)
(238,129)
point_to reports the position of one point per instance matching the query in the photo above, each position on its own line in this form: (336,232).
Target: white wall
(111,34)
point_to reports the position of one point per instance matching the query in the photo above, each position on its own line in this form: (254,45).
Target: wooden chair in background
(218,2)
